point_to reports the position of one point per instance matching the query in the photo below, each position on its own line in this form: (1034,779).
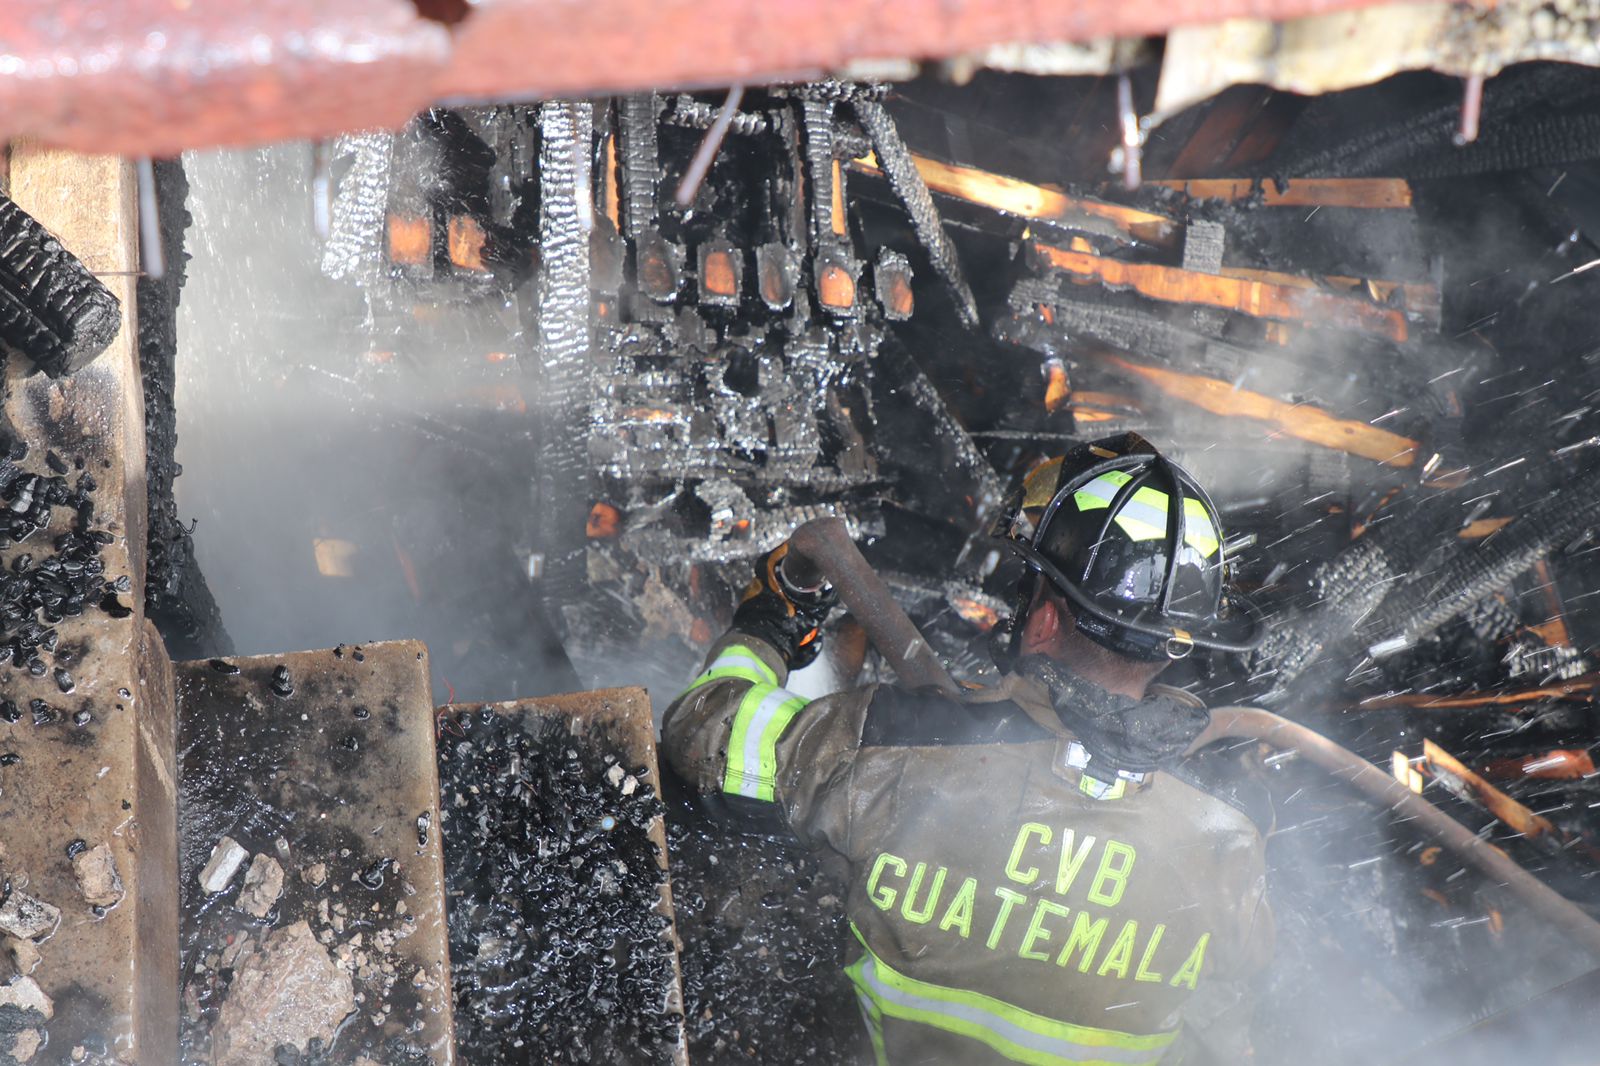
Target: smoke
(358,469)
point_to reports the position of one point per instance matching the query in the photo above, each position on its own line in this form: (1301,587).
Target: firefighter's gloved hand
(786,616)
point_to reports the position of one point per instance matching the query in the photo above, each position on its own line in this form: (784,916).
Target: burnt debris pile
(763,927)
(559,948)
(48,579)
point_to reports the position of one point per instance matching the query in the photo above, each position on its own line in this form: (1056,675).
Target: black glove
(785,616)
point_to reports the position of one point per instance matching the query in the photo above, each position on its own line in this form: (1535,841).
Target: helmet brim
(1240,630)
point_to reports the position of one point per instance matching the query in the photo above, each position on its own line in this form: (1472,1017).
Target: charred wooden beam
(899,166)
(1415,298)
(1254,298)
(1374,193)
(1558,764)
(1577,688)
(1468,785)
(1301,421)
(52,309)
(1043,203)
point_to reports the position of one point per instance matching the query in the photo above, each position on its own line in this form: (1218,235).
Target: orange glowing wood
(1057,389)
(604,521)
(836,288)
(1417,297)
(410,239)
(838,199)
(1561,764)
(465,238)
(720,277)
(609,193)
(1377,193)
(1044,202)
(1455,776)
(1482,527)
(1256,298)
(1582,686)
(1301,421)
(898,298)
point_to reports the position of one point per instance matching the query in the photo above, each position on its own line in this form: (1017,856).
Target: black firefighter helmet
(1135,545)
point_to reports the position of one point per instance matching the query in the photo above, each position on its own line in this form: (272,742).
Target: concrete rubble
(288,992)
(226,858)
(27,918)
(263,884)
(96,871)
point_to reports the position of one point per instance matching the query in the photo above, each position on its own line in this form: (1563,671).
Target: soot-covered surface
(765,943)
(321,762)
(559,936)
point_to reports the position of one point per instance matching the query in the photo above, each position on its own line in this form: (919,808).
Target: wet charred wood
(52,309)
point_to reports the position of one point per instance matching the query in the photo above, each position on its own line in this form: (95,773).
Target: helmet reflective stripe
(1144,517)
(1017,1034)
(763,714)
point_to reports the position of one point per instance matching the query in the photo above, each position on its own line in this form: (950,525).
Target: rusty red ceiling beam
(152,77)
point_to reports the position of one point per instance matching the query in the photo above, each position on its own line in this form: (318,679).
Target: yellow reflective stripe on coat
(1017,1034)
(1144,517)
(736,661)
(763,714)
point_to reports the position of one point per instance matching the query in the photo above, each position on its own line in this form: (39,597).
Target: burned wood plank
(1557,764)
(1373,193)
(1421,299)
(321,766)
(1044,203)
(1254,298)
(91,740)
(1468,785)
(1582,687)
(899,166)
(1301,421)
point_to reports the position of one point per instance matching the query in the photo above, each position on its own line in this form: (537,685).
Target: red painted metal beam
(151,77)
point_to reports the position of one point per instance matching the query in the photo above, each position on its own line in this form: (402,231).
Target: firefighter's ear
(1042,634)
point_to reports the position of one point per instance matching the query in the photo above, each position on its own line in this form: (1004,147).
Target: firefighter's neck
(1052,631)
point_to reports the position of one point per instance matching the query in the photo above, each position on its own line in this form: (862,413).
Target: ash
(764,945)
(558,951)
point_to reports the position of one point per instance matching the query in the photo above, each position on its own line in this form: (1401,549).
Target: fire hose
(822,550)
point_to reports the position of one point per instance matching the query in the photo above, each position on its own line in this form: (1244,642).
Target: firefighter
(1038,872)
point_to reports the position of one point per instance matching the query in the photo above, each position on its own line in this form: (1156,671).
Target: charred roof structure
(559,371)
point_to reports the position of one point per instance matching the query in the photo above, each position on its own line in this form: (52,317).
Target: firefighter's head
(1127,545)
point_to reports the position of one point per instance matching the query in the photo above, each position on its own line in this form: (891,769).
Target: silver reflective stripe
(738,662)
(736,656)
(751,781)
(968,1015)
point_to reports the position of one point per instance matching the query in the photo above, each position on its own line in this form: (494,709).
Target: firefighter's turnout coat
(1008,907)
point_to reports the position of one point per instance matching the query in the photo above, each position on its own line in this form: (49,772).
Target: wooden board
(338,784)
(112,978)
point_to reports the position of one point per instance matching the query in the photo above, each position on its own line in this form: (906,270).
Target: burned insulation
(558,950)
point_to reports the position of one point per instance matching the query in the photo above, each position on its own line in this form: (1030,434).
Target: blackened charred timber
(52,310)
(640,164)
(1429,599)
(1343,591)
(177,598)
(564,367)
(1248,723)
(901,171)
